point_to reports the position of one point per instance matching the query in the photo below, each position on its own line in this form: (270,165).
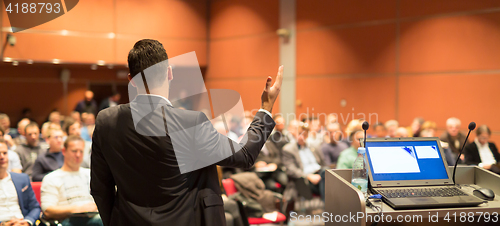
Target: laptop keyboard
(422,192)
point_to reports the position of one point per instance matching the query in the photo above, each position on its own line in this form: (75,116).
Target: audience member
(380,130)
(416,127)
(428,130)
(270,157)
(55,117)
(5,122)
(30,151)
(333,147)
(18,204)
(14,161)
(73,128)
(453,136)
(66,191)
(88,104)
(316,135)
(7,138)
(53,159)
(111,101)
(303,163)
(88,126)
(481,152)
(401,132)
(331,118)
(391,126)
(347,157)
(75,115)
(21,139)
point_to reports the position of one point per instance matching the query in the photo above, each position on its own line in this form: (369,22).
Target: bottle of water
(359,175)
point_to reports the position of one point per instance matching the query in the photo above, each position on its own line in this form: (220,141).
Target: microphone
(365,127)
(472,126)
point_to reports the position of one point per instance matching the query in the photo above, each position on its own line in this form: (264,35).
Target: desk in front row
(342,198)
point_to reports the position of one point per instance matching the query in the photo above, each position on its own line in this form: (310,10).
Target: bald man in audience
(88,104)
(453,136)
(21,139)
(29,152)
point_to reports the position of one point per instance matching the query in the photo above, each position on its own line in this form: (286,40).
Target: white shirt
(485,153)
(309,162)
(60,188)
(9,203)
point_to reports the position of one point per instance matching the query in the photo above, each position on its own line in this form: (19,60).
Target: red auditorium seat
(230,188)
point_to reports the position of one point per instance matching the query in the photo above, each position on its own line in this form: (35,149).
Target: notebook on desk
(412,173)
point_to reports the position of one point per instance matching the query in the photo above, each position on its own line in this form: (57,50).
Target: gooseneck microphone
(365,127)
(472,126)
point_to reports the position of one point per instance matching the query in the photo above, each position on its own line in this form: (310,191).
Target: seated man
(73,127)
(347,157)
(18,204)
(29,152)
(303,162)
(66,191)
(332,147)
(268,164)
(53,159)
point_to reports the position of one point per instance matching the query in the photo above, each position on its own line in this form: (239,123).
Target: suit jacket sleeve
(102,183)
(471,154)
(38,174)
(289,162)
(33,206)
(494,150)
(215,145)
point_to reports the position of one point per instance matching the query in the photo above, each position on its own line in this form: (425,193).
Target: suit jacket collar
(151,98)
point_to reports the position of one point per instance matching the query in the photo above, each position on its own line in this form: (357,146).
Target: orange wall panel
(45,47)
(250,90)
(319,13)
(436,97)
(230,18)
(86,16)
(451,44)
(370,97)
(244,57)
(349,50)
(412,8)
(167,19)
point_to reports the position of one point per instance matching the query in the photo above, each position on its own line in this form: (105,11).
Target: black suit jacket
(472,157)
(150,188)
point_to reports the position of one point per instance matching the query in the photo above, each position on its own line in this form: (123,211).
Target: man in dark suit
(88,104)
(163,160)
(18,196)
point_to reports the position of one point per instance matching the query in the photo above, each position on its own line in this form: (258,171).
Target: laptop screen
(405,160)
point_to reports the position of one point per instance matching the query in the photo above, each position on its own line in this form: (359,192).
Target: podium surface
(345,204)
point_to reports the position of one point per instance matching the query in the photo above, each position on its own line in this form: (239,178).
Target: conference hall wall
(400,59)
(94,31)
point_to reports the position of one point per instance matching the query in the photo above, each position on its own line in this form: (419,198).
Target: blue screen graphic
(405,160)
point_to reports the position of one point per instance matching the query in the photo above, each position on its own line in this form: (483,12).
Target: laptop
(412,173)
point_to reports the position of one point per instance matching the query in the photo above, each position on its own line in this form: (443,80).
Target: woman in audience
(481,152)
